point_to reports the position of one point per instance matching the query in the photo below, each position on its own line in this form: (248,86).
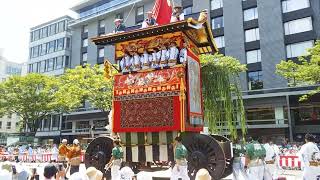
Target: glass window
(36,34)
(46,123)
(42,66)
(50,64)
(44,32)
(61,26)
(66,61)
(35,51)
(219,41)
(59,62)
(84,57)
(217,22)
(255,80)
(55,121)
(52,29)
(82,124)
(140,11)
(60,44)
(68,43)
(187,10)
(0,124)
(85,29)
(51,46)
(298,25)
(101,53)
(252,35)
(102,23)
(119,16)
(298,49)
(262,113)
(293,5)
(250,14)
(253,56)
(8,125)
(216,4)
(44,48)
(84,42)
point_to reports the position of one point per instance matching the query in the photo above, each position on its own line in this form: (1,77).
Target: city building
(9,124)
(50,53)
(260,33)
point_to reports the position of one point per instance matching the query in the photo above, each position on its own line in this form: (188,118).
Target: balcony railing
(107,7)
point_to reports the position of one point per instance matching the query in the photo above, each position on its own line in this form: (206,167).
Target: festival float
(160,98)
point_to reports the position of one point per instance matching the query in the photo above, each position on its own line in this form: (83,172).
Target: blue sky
(18,16)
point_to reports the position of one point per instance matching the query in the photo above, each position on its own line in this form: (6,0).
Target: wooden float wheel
(98,153)
(204,152)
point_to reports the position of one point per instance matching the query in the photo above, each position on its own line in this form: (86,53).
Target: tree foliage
(36,96)
(88,83)
(32,97)
(304,72)
(223,104)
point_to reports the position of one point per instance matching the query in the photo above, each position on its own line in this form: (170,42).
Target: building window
(187,10)
(102,23)
(61,26)
(44,32)
(293,5)
(298,49)
(298,25)
(59,62)
(55,121)
(85,42)
(219,41)
(101,53)
(50,64)
(140,11)
(84,57)
(60,44)
(262,113)
(36,35)
(217,22)
(68,43)
(253,56)
(9,125)
(85,29)
(66,61)
(52,29)
(44,48)
(35,51)
(255,80)
(216,4)
(250,14)
(119,16)
(0,124)
(42,67)
(252,35)
(51,46)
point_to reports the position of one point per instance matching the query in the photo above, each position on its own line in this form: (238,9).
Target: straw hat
(203,174)
(94,174)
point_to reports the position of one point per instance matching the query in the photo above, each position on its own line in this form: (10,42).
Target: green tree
(223,102)
(33,97)
(304,72)
(88,83)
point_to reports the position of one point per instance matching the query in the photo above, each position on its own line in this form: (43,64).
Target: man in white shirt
(310,165)
(177,14)
(271,160)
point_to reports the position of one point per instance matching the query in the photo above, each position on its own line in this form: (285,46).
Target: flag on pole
(162,11)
